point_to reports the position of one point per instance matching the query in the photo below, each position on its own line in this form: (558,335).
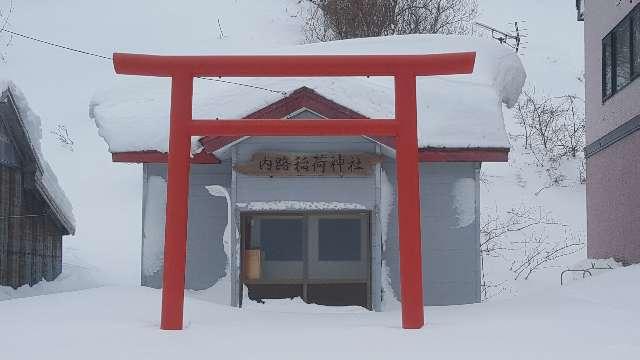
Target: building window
(281,239)
(339,239)
(607,67)
(635,34)
(621,54)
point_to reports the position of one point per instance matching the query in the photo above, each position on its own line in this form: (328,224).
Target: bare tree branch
(5,15)
(346,19)
(553,130)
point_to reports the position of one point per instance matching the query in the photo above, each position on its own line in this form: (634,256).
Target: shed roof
(14,106)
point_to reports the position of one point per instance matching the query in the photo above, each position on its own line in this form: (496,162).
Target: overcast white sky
(59,85)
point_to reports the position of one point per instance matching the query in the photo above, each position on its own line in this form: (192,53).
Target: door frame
(245,217)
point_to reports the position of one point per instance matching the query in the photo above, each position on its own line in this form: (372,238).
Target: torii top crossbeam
(404,69)
(295,65)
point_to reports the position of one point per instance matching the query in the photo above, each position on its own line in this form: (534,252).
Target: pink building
(612,65)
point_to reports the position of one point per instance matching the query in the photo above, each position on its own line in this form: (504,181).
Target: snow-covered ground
(592,319)
(541,217)
(112,318)
(76,274)
(553,56)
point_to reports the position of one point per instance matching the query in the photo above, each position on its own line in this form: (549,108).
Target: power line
(56,45)
(281,92)
(69,48)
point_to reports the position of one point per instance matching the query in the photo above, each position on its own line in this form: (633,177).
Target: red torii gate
(404,69)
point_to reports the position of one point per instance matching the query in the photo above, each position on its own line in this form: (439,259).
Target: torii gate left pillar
(403,68)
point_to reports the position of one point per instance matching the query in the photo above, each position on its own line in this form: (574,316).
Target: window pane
(339,239)
(607,55)
(636,42)
(281,239)
(623,54)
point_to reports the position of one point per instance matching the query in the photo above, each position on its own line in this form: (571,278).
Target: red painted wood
(300,98)
(309,99)
(279,127)
(142,157)
(409,203)
(175,242)
(295,65)
(404,68)
(305,97)
(213,143)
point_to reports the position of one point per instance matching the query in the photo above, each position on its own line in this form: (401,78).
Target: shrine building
(316,217)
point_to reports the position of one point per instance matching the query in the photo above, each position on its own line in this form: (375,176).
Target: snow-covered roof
(46,180)
(461,111)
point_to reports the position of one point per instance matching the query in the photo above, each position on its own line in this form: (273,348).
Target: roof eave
(66,223)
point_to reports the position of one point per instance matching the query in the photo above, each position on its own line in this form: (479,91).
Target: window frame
(635,21)
(633,17)
(608,84)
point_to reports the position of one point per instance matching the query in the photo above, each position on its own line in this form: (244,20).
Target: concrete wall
(206,259)
(600,18)
(450,238)
(613,174)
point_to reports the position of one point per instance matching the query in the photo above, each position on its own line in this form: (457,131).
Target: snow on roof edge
(46,180)
(497,79)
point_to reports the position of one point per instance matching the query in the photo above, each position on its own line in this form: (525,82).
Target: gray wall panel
(206,259)
(390,251)
(450,254)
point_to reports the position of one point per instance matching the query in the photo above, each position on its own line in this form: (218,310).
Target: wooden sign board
(309,164)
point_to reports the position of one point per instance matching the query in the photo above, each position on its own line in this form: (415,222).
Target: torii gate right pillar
(409,202)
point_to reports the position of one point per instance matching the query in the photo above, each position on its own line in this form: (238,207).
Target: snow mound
(594,319)
(154,225)
(453,111)
(74,277)
(47,181)
(588,268)
(463,195)
(612,289)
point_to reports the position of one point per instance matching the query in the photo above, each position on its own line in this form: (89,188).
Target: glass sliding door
(280,240)
(322,257)
(338,248)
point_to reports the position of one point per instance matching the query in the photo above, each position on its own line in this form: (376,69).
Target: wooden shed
(34,214)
